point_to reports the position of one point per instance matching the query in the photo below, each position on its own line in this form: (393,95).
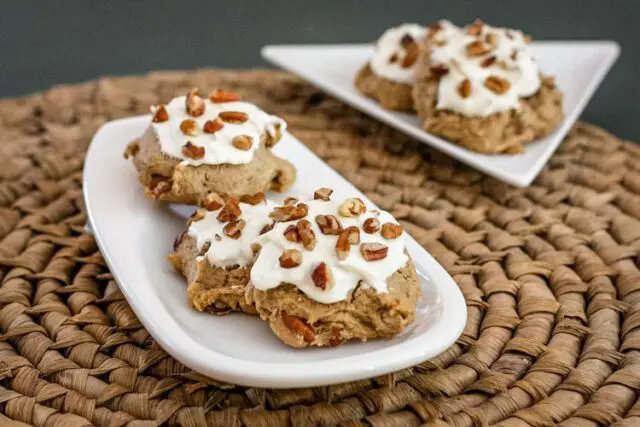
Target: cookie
(480,86)
(196,146)
(388,77)
(333,271)
(215,255)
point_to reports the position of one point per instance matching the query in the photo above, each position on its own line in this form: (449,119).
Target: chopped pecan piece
(189,127)
(235,117)
(161,115)
(371,225)
(373,251)
(329,224)
(254,199)
(307,235)
(343,247)
(497,85)
(488,61)
(322,276)
(353,234)
(213,202)
(352,207)
(464,88)
(475,29)
(230,211)
(233,229)
(412,51)
(219,96)
(242,142)
(438,70)
(267,228)
(300,326)
(290,201)
(290,258)
(194,103)
(477,48)
(192,151)
(289,212)
(212,126)
(291,234)
(391,231)
(322,194)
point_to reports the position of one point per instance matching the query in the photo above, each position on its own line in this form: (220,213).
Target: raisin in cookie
(196,146)
(333,271)
(389,75)
(215,255)
(480,87)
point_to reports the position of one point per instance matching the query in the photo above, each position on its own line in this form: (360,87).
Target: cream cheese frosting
(486,69)
(390,53)
(218,146)
(267,272)
(225,251)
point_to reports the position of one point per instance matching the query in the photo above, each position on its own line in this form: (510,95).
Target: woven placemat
(550,275)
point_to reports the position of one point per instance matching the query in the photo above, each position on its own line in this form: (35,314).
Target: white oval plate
(579,68)
(135,235)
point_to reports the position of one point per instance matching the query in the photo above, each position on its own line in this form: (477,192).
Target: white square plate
(135,235)
(579,67)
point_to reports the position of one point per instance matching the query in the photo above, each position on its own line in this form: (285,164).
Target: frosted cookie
(480,86)
(196,146)
(215,255)
(388,77)
(333,271)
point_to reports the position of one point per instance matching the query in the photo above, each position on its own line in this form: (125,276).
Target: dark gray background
(48,42)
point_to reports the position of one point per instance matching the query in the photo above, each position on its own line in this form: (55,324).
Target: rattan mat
(550,275)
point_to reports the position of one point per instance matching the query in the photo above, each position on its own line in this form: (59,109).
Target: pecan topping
(160,115)
(254,199)
(411,56)
(497,85)
(329,224)
(192,151)
(290,258)
(267,228)
(322,194)
(393,59)
(234,228)
(464,88)
(196,216)
(242,142)
(219,96)
(391,231)
(235,117)
(300,326)
(189,127)
(353,234)
(322,276)
(351,207)
(371,225)
(213,202)
(289,212)
(212,126)
(343,247)
(290,201)
(488,61)
(307,235)
(526,38)
(291,234)
(407,40)
(477,48)
(438,70)
(475,29)
(194,103)
(491,39)
(373,251)
(230,211)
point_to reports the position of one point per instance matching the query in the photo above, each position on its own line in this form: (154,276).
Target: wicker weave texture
(550,274)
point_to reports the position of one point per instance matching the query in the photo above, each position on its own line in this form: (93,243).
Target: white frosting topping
(218,145)
(226,251)
(267,272)
(389,53)
(514,63)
